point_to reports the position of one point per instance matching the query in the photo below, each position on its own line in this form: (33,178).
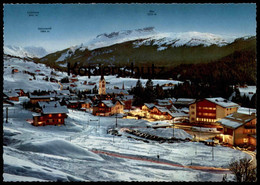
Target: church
(103,91)
(102,86)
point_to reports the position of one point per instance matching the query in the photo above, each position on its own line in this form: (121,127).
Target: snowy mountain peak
(29,51)
(140,32)
(105,39)
(192,38)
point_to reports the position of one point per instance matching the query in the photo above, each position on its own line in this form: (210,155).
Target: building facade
(108,108)
(210,110)
(51,114)
(239,129)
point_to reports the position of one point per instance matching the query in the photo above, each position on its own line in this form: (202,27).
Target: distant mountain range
(174,51)
(30,51)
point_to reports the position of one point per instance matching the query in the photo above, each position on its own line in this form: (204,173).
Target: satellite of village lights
(129,92)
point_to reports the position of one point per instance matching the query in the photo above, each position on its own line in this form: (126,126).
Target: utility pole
(6,115)
(116,118)
(212,149)
(173,131)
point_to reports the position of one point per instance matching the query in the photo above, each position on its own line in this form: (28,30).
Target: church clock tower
(102,85)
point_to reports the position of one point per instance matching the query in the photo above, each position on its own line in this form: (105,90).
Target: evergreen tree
(159,93)
(95,90)
(253,101)
(138,92)
(149,94)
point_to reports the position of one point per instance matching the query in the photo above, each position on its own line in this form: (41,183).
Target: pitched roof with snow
(49,104)
(236,120)
(64,92)
(88,100)
(125,97)
(54,110)
(163,102)
(184,101)
(162,109)
(222,102)
(39,96)
(149,105)
(108,103)
(11,94)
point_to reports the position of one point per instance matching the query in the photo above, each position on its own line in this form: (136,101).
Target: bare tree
(243,170)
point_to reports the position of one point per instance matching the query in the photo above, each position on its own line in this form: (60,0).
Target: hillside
(145,52)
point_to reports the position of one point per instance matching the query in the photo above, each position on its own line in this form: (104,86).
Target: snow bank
(10,132)
(60,148)
(28,171)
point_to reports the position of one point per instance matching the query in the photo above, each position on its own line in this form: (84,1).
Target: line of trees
(188,89)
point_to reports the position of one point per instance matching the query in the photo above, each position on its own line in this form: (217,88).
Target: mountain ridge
(24,52)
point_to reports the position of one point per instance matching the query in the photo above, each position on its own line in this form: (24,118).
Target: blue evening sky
(73,24)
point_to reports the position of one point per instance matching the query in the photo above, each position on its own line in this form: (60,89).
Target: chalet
(147,107)
(150,110)
(178,115)
(13,96)
(20,92)
(51,114)
(164,103)
(239,129)
(127,100)
(73,104)
(38,98)
(107,108)
(86,104)
(210,110)
(160,113)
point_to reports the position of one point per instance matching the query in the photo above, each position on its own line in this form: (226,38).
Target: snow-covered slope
(69,152)
(149,35)
(29,51)
(103,40)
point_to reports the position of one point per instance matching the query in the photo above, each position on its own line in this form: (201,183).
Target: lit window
(50,115)
(59,115)
(245,140)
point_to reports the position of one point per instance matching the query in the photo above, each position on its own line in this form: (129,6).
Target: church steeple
(123,86)
(102,85)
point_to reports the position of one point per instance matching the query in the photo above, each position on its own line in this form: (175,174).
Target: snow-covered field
(22,80)
(65,153)
(70,152)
